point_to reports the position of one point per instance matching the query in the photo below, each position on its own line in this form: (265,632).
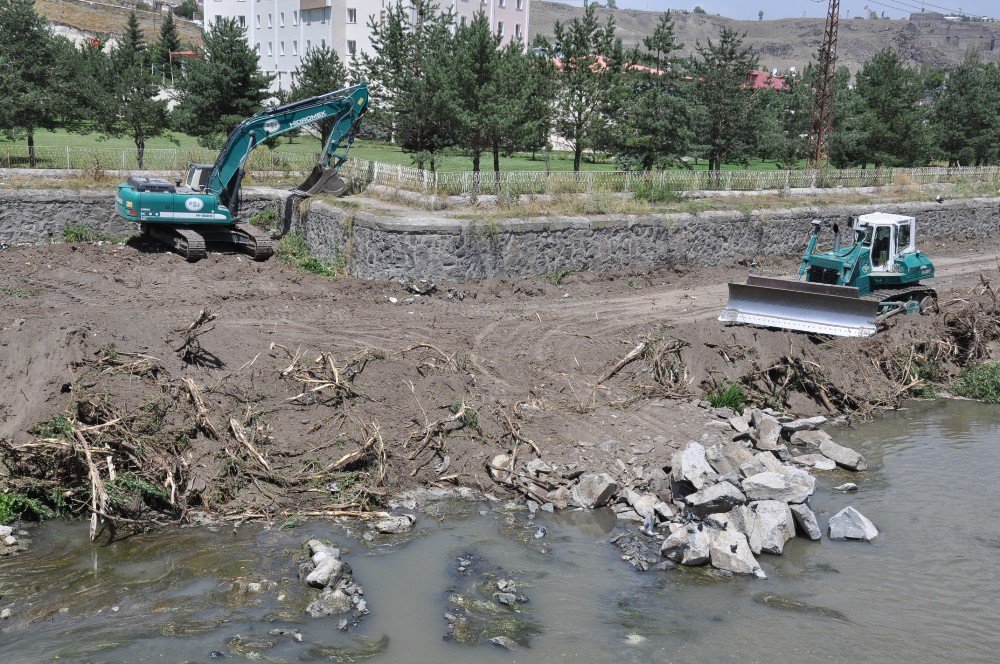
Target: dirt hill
(78,20)
(793,42)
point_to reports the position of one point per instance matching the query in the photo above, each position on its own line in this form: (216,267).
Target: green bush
(80,232)
(731,396)
(15,505)
(294,250)
(981,382)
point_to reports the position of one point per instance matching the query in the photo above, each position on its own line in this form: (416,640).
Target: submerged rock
(328,572)
(843,456)
(504,642)
(851,524)
(395,525)
(846,486)
(330,603)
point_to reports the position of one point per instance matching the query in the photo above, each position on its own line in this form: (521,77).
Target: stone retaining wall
(422,244)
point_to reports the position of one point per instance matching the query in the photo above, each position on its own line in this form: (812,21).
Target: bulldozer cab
(887,236)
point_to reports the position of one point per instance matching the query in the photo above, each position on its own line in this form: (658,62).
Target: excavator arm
(345,106)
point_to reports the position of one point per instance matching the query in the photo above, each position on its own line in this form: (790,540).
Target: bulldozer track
(187,242)
(900,294)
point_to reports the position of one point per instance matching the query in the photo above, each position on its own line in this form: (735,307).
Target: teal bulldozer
(847,291)
(206,207)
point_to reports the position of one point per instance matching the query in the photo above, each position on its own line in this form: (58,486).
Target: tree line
(441,86)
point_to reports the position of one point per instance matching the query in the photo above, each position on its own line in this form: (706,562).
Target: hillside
(794,41)
(77,20)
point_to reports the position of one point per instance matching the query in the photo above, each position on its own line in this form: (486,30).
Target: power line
(906,6)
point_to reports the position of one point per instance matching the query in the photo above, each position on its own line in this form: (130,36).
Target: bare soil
(305,395)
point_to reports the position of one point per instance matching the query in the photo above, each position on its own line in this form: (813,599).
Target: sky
(748,9)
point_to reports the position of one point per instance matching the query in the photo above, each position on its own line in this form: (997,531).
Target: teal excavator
(206,208)
(847,291)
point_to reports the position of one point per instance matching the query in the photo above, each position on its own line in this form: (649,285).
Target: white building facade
(281,31)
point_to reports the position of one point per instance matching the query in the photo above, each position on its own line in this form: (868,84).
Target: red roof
(758,80)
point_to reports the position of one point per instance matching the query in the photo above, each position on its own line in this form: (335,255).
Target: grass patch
(18,293)
(731,396)
(74,233)
(58,427)
(655,192)
(265,219)
(294,250)
(980,382)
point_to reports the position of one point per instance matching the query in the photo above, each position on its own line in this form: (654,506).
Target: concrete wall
(423,244)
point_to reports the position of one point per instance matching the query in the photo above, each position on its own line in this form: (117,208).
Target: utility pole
(822,120)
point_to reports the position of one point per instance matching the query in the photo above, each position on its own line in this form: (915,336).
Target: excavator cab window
(904,239)
(881,247)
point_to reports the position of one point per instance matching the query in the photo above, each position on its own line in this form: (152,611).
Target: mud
(413,390)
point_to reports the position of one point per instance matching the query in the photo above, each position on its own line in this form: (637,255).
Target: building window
(256,20)
(352,15)
(502,3)
(269,20)
(352,46)
(499,28)
(256,47)
(218,19)
(295,16)
(307,16)
(322,42)
(270,48)
(520,4)
(281,48)
(243,21)
(309,44)
(281,20)
(517,31)
(295,47)
(462,21)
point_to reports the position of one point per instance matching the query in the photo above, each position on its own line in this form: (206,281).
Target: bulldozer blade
(802,306)
(323,181)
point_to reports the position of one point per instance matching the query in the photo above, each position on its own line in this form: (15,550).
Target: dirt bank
(310,396)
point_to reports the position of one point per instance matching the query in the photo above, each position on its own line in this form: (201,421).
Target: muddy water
(926,591)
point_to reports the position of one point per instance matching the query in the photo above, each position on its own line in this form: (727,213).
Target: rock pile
(9,543)
(339,593)
(743,493)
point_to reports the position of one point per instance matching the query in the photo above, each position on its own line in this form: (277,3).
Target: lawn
(371,150)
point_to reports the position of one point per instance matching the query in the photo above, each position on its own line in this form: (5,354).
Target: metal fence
(264,163)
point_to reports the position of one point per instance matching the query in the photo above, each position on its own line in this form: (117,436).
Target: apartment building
(281,31)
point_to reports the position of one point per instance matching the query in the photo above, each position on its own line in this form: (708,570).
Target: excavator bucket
(323,181)
(800,305)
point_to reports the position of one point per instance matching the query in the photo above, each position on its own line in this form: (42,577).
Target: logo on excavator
(309,119)
(194,204)
(272,126)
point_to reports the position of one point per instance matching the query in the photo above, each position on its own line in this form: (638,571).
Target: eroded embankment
(139,387)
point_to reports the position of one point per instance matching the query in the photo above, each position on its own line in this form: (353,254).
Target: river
(925,591)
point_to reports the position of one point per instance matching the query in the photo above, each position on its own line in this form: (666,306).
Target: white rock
(720,497)
(538,467)
(804,424)
(499,468)
(730,552)
(767,434)
(815,461)
(739,424)
(792,485)
(393,525)
(768,461)
(690,467)
(688,545)
(9,540)
(6,530)
(846,486)
(665,511)
(851,524)
(328,572)
(594,490)
(727,458)
(767,523)
(806,521)
(843,456)
(809,439)
(643,503)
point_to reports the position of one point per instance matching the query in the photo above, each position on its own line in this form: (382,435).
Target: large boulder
(767,523)
(689,544)
(393,525)
(720,497)
(791,485)
(328,572)
(690,470)
(644,504)
(730,552)
(594,490)
(811,440)
(851,524)
(330,602)
(814,461)
(728,458)
(843,456)
(806,521)
(767,434)
(803,424)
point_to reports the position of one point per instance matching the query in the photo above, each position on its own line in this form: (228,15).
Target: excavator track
(186,242)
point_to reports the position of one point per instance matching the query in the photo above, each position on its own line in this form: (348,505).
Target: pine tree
(169,41)
(130,109)
(967,114)
(523,105)
(590,60)
(726,125)
(30,101)
(892,123)
(319,72)
(223,88)
(476,87)
(653,127)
